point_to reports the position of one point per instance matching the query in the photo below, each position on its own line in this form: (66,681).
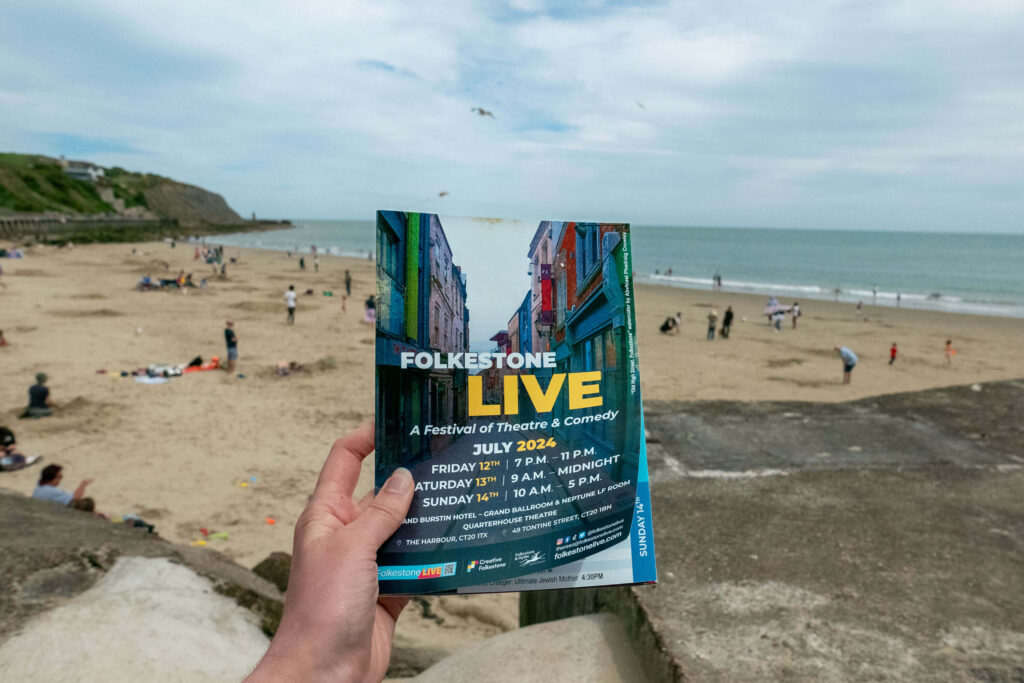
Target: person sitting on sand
(10,458)
(49,481)
(672,325)
(39,402)
(849,360)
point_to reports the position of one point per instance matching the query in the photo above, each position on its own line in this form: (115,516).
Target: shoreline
(852,294)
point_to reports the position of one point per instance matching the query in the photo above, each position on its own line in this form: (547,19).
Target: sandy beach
(179,453)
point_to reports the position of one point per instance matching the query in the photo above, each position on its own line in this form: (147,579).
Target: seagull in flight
(640,104)
(481,111)
(443,193)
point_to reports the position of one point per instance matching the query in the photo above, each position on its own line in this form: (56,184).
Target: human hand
(335,627)
(86,482)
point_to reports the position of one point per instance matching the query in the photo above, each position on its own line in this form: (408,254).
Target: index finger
(340,473)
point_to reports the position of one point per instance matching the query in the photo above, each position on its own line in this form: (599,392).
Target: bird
(481,111)
(640,104)
(443,193)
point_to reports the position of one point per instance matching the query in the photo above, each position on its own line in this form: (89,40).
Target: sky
(879,115)
(490,298)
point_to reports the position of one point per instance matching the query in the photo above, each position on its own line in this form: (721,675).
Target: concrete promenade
(881,539)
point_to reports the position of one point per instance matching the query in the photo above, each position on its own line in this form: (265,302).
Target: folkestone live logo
(422,571)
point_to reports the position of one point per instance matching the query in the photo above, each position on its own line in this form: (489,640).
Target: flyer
(507,382)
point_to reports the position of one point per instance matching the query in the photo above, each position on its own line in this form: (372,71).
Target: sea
(959,272)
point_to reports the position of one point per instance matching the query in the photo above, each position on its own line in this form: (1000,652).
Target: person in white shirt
(289,299)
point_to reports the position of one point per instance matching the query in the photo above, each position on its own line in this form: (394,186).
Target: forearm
(80,491)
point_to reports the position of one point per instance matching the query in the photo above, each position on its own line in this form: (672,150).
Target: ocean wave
(917,300)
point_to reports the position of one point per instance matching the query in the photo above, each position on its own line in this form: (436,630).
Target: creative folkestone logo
(471,566)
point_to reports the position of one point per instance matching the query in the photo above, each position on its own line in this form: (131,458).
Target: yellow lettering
(511,395)
(579,390)
(476,399)
(543,401)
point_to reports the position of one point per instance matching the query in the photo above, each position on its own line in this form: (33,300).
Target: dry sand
(176,453)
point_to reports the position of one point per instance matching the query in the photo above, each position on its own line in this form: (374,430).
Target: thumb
(388,508)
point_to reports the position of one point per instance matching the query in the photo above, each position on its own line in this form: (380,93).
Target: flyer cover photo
(507,382)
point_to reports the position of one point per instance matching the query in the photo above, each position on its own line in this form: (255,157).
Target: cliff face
(191,205)
(37,184)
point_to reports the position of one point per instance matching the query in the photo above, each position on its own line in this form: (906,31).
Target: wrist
(300,659)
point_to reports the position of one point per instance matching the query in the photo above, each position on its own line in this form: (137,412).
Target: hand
(334,625)
(86,482)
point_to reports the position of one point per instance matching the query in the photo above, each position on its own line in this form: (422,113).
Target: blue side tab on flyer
(507,382)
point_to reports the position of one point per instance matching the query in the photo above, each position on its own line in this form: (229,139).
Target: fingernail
(399,482)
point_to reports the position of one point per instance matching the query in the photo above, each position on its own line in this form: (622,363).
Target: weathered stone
(275,569)
(51,553)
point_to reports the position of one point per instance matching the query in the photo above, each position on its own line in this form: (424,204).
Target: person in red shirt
(892,354)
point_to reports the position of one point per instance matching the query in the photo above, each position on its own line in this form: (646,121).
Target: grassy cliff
(31,183)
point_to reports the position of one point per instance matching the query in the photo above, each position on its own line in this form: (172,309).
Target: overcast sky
(879,115)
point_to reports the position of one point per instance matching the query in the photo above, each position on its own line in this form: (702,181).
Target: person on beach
(39,402)
(892,354)
(3,340)
(948,352)
(777,319)
(712,320)
(231,339)
(849,360)
(874,295)
(11,459)
(727,322)
(370,311)
(302,263)
(899,298)
(47,489)
(316,264)
(335,625)
(796,313)
(348,283)
(672,325)
(860,308)
(289,300)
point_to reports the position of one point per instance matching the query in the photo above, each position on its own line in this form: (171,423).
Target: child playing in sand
(10,459)
(892,354)
(949,352)
(712,320)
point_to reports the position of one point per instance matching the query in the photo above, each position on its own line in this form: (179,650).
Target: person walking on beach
(874,295)
(289,300)
(302,263)
(796,313)
(712,321)
(316,264)
(849,360)
(899,297)
(949,352)
(727,322)
(892,354)
(348,283)
(231,339)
